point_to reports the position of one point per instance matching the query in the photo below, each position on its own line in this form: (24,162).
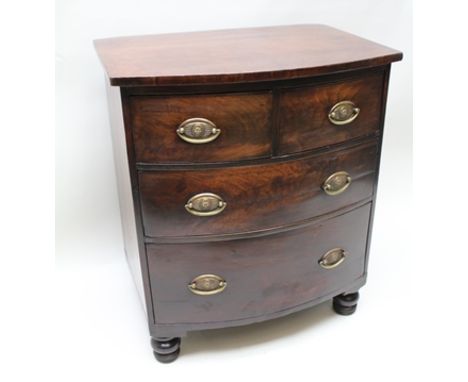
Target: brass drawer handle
(205,204)
(336,183)
(343,112)
(207,285)
(333,258)
(198,131)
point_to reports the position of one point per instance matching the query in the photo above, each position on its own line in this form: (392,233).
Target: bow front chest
(247,164)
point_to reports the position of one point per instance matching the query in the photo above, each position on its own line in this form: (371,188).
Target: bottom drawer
(262,275)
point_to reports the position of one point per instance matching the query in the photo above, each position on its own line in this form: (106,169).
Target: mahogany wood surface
(132,231)
(258,197)
(263,275)
(237,55)
(181,329)
(303,112)
(244,120)
(270,91)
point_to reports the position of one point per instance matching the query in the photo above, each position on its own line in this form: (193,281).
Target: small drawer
(331,113)
(238,279)
(254,197)
(201,128)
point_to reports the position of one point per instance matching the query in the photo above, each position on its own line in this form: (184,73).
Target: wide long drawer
(237,279)
(255,197)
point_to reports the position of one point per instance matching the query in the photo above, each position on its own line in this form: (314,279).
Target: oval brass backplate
(205,204)
(333,258)
(198,131)
(207,285)
(336,183)
(343,112)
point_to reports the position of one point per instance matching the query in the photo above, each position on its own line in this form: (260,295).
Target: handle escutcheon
(333,258)
(336,183)
(343,112)
(207,285)
(205,204)
(198,131)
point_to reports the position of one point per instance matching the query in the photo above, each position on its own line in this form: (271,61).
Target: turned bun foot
(346,303)
(166,350)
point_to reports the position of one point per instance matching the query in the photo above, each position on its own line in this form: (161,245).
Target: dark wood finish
(169,329)
(126,175)
(303,113)
(252,234)
(382,124)
(166,350)
(237,55)
(258,197)
(246,87)
(244,120)
(263,275)
(345,304)
(269,90)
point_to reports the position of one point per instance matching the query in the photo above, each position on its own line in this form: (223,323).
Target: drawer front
(258,276)
(304,120)
(241,122)
(255,197)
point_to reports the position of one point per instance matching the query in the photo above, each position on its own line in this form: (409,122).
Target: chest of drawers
(247,164)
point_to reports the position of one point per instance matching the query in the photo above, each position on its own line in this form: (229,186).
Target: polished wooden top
(237,55)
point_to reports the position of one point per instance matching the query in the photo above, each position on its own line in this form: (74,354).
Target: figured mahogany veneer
(237,55)
(264,275)
(303,112)
(258,197)
(244,121)
(273,213)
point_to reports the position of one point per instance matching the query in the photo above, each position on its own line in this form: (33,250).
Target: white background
(411,320)
(96,294)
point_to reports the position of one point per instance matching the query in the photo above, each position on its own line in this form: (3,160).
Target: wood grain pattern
(263,275)
(258,197)
(244,120)
(303,113)
(237,55)
(270,91)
